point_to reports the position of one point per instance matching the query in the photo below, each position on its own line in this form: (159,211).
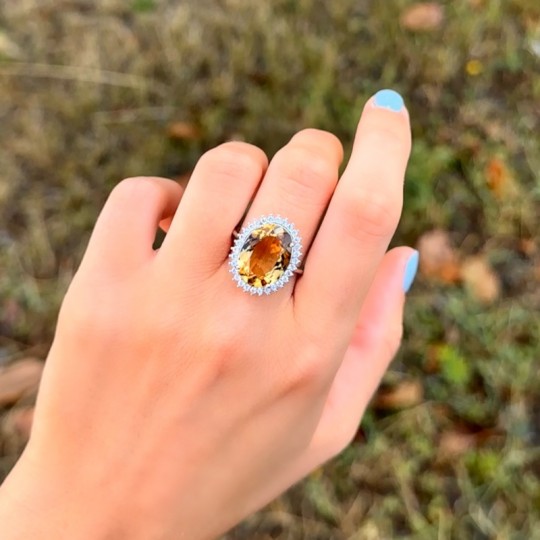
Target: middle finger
(360,221)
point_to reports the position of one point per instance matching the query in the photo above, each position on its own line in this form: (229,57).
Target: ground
(95,91)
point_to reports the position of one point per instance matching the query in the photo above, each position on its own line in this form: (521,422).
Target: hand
(173,404)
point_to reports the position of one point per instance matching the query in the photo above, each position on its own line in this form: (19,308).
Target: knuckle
(320,139)
(234,160)
(139,187)
(391,340)
(337,434)
(86,325)
(309,373)
(371,213)
(303,376)
(341,439)
(306,174)
(392,140)
(226,354)
(222,334)
(224,341)
(382,340)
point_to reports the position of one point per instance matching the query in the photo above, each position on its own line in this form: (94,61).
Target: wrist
(20,514)
(36,504)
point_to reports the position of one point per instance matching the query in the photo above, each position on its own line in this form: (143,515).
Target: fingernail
(410,271)
(389,99)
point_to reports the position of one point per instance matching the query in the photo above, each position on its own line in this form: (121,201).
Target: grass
(88,92)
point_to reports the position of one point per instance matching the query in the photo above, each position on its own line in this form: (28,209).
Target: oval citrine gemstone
(265,255)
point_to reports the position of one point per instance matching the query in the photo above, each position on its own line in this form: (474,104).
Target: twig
(77,73)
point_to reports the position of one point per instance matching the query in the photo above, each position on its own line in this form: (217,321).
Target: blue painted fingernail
(389,99)
(410,271)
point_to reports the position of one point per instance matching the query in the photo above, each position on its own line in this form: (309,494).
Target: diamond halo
(239,249)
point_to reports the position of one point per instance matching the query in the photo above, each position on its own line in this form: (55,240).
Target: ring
(265,255)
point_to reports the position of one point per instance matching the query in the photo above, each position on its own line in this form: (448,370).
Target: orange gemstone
(266,254)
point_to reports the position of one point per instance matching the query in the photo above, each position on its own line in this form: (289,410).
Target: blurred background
(92,91)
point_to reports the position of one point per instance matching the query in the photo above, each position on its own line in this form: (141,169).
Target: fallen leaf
(441,412)
(431,358)
(422,17)
(438,258)
(528,246)
(480,279)
(498,177)
(405,394)
(454,443)
(19,379)
(184,131)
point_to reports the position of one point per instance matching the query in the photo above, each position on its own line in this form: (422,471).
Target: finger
(360,221)
(217,196)
(365,361)
(125,230)
(375,341)
(300,181)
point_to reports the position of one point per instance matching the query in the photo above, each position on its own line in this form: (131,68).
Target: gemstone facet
(265,255)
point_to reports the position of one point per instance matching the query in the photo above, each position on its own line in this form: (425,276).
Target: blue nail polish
(410,271)
(389,99)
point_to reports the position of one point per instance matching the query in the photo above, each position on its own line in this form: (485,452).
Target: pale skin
(173,404)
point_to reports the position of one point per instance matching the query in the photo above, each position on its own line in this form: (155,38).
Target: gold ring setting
(265,255)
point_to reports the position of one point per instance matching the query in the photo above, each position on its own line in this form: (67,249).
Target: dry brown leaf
(432,356)
(438,258)
(454,443)
(480,279)
(422,17)
(405,394)
(441,412)
(19,379)
(528,246)
(498,177)
(184,131)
